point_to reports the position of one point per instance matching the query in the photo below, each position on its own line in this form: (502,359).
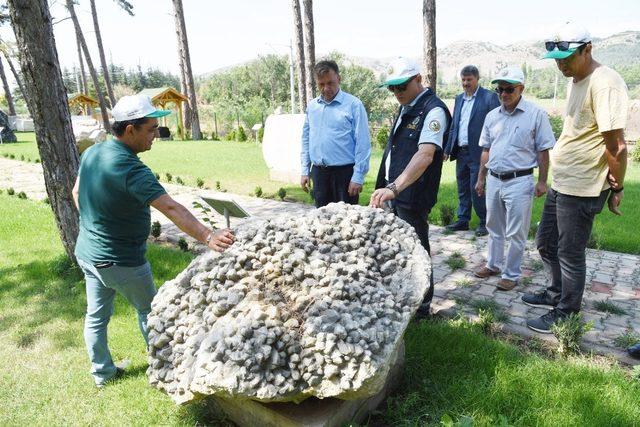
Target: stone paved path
(611,277)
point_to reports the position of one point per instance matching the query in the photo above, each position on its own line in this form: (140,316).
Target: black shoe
(119,373)
(544,323)
(634,351)
(481,230)
(539,299)
(458,226)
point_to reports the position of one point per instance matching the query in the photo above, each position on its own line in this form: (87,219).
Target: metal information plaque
(226,207)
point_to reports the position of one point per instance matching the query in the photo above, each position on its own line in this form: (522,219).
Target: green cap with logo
(565,41)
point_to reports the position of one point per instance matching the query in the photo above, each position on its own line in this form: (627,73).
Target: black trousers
(418,221)
(331,184)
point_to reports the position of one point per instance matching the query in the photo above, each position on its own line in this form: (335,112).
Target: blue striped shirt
(336,133)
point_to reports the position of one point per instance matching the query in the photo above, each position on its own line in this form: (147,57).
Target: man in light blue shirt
(516,138)
(336,145)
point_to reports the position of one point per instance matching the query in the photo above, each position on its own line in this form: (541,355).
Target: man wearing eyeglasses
(469,112)
(589,163)
(336,145)
(409,176)
(516,138)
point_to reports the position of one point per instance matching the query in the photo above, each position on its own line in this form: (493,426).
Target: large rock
(299,306)
(87,131)
(6,134)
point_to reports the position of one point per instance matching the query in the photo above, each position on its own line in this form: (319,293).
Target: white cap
(575,34)
(401,70)
(513,75)
(135,107)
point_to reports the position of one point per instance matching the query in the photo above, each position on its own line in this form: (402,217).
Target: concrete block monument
(281,146)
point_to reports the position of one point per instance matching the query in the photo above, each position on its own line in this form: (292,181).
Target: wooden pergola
(82,101)
(161,96)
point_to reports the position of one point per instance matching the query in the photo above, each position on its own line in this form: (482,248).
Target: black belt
(329,168)
(510,175)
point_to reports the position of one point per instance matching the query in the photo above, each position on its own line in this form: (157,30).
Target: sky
(223,33)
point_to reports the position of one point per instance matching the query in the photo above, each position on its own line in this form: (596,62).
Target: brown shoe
(506,284)
(485,272)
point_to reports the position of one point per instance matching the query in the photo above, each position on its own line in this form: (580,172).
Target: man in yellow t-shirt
(588,164)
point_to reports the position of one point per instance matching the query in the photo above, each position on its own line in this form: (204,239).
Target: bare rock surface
(299,306)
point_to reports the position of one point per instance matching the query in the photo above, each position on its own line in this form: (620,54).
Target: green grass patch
(627,339)
(491,306)
(464,282)
(239,167)
(609,307)
(456,261)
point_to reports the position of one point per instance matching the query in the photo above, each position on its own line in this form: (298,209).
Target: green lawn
(240,168)
(452,370)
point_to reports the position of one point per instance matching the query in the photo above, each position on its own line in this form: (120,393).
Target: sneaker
(485,272)
(539,299)
(481,231)
(544,323)
(119,373)
(506,284)
(634,351)
(458,226)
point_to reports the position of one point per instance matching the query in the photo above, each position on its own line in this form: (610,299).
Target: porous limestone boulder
(299,306)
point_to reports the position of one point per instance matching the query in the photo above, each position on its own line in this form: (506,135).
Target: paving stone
(600,287)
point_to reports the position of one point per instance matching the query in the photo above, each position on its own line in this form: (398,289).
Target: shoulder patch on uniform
(434,125)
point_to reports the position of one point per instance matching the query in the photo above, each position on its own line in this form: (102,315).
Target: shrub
(199,182)
(22,195)
(169,177)
(11,156)
(260,134)
(214,136)
(22,157)
(37,160)
(157,176)
(179,181)
(556,125)
(455,261)
(241,135)
(569,332)
(635,153)
(11,191)
(28,159)
(218,186)
(282,193)
(382,137)
(446,214)
(156,228)
(230,136)
(258,191)
(183,245)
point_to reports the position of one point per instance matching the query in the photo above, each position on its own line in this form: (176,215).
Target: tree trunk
(302,77)
(92,70)
(103,60)
(47,99)
(429,59)
(16,76)
(82,88)
(309,49)
(7,91)
(186,111)
(185,61)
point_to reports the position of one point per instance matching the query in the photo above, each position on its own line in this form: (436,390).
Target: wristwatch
(392,186)
(208,239)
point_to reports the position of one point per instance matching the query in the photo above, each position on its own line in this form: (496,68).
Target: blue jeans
(467,175)
(136,285)
(561,239)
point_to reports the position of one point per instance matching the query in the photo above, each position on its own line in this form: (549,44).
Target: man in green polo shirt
(113,193)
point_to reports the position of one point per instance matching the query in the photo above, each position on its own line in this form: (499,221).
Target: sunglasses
(563,46)
(400,88)
(509,89)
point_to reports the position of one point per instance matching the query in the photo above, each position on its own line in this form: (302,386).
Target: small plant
(199,182)
(22,195)
(157,175)
(569,332)
(28,159)
(218,188)
(446,214)
(487,304)
(22,157)
(11,191)
(282,193)
(382,137)
(455,261)
(258,191)
(627,339)
(486,320)
(179,181)
(463,282)
(37,160)
(11,156)
(241,135)
(183,245)
(525,280)
(169,177)
(537,265)
(230,136)
(47,201)
(609,307)
(156,228)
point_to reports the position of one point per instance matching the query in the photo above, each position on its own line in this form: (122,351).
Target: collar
(469,98)
(415,100)
(339,98)
(522,106)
